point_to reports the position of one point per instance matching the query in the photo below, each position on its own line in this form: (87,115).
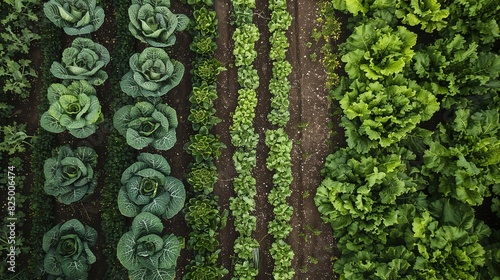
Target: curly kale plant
(67,248)
(146,124)
(152,73)
(146,187)
(145,253)
(74,108)
(76,17)
(83,60)
(69,175)
(152,22)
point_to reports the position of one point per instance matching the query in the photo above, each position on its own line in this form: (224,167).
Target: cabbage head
(146,124)
(69,175)
(74,108)
(83,60)
(67,248)
(146,187)
(76,17)
(152,73)
(152,22)
(145,253)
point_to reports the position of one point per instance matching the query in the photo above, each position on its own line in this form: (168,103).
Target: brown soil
(308,128)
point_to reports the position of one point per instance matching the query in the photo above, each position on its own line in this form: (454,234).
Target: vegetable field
(250,139)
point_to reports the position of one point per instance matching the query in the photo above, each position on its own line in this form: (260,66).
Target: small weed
(313,260)
(305,194)
(313,57)
(314,231)
(303,269)
(301,125)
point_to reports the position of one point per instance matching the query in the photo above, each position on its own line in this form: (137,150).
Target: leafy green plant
(202,176)
(375,50)
(83,60)
(427,14)
(152,74)
(205,22)
(14,138)
(74,108)
(147,187)
(76,17)
(463,157)
(146,124)
(152,22)
(67,248)
(381,114)
(18,74)
(145,253)
(70,175)
(204,146)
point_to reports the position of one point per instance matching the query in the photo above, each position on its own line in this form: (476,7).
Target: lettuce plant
(381,114)
(146,124)
(152,74)
(70,175)
(74,108)
(464,156)
(426,13)
(76,17)
(375,50)
(67,248)
(145,253)
(147,187)
(83,60)
(152,22)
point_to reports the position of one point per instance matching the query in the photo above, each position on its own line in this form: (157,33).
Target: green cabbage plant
(152,73)
(76,17)
(152,22)
(67,248)
(146,187)
(146,124)
(69,175)
(74,108)
(83,60)
(145,253)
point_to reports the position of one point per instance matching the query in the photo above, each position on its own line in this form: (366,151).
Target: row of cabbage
(202,212)
(148,193)
(280,146)
(402,198)
(244,139)
(70,174)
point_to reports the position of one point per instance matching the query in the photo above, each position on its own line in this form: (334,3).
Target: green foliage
(464,156)
(67,248)
(205,22)
(76,17)
(382,114)
(364,7)
(202,177)
(152,22)
(152,74)
(204,146)
(207,70)
(74,108)
(14,138)
(376,51)
(426,13)
(147,187)
(18,74)
(83,60)
(70,175)
(146,124)
(244,38)
(145,253)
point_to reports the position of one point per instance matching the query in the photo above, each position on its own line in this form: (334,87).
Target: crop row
(400,197)
(244,138)
(202,212)
(280,146)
